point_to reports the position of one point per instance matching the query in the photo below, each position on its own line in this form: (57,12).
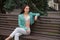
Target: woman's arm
(35,18)
(35,14)
(19,20)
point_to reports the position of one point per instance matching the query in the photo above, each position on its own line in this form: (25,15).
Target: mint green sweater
(21,20)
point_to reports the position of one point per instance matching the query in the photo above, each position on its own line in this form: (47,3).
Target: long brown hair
(24,8)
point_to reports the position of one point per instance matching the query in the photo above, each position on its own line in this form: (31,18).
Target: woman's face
(26,9)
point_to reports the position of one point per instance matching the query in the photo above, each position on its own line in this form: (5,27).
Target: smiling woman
(25,19)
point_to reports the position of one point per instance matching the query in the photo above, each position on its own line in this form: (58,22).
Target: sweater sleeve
(35,14)
(19,21)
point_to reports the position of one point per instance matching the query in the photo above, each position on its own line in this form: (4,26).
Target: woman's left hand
(36,18)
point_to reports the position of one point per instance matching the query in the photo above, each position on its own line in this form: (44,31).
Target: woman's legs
(20,32)
(17,32)
(12,34)
(16,37)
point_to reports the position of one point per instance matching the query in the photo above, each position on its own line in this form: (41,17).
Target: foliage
(36,5)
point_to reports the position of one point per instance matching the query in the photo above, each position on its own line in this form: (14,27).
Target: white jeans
(18,32)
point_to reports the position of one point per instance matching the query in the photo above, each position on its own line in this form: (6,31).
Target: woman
(25,19)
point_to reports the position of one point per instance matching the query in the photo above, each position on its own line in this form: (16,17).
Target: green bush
(36,5)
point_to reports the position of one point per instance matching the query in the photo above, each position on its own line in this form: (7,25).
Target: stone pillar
(58,1)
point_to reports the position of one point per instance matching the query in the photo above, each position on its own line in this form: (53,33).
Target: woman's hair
(22,11)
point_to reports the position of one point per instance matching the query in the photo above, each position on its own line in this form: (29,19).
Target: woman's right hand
(28,31)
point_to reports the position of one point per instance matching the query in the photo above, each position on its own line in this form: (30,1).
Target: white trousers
(18,32)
